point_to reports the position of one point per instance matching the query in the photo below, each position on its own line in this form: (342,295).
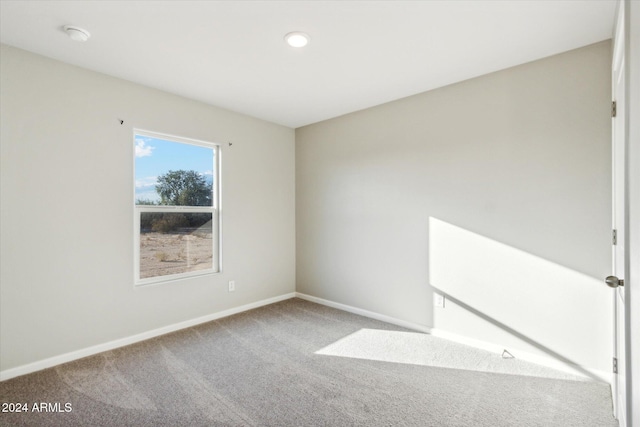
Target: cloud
(146,183)
(146,189)
(142,149)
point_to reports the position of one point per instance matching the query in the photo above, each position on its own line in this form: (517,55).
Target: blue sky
(155,157)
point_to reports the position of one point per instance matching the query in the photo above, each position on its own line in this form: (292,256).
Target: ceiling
(231,54)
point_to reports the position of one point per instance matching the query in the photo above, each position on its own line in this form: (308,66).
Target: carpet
(296,363)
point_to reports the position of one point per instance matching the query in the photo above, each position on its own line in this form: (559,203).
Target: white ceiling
(231,54)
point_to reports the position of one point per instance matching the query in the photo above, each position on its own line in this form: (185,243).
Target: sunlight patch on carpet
(416,348)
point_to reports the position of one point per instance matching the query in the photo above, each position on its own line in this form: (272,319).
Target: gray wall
(67,215)
(495,191)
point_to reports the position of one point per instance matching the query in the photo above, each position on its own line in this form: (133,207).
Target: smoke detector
(76,33)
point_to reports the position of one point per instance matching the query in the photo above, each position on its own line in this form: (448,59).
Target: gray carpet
(296,363)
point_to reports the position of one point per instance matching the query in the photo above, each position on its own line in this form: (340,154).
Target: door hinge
(615,365)
(614,109)
(614,237)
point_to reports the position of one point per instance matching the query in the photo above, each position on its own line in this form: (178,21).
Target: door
(619,261)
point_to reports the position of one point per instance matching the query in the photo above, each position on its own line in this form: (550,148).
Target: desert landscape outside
(180,250)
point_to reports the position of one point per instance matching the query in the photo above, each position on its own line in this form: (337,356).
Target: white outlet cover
(438,300)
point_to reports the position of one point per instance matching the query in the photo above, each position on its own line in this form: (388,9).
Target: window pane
(174,243)
(173,173)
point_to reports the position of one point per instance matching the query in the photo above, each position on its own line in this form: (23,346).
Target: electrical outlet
(438,300)
(232,285)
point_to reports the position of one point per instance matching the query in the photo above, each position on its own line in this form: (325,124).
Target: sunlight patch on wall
(513,298)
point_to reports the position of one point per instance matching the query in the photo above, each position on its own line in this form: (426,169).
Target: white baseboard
(366,313)
(89,351)
(494,348)
(582,371)
(549,362)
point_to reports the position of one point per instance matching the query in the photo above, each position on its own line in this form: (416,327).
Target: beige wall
(67,216)
(496,191)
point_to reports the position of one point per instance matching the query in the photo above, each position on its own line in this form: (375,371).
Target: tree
(184,188)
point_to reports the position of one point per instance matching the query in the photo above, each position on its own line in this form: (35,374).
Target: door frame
(631,238)
(619,218)
(632,71)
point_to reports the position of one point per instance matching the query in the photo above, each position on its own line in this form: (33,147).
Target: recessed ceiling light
(77,34)
(297,39)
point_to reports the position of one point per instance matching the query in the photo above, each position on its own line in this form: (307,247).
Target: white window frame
(214,210)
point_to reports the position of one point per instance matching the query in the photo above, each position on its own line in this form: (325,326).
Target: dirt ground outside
(175,252)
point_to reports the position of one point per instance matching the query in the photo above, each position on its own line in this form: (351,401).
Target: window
(177,207)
